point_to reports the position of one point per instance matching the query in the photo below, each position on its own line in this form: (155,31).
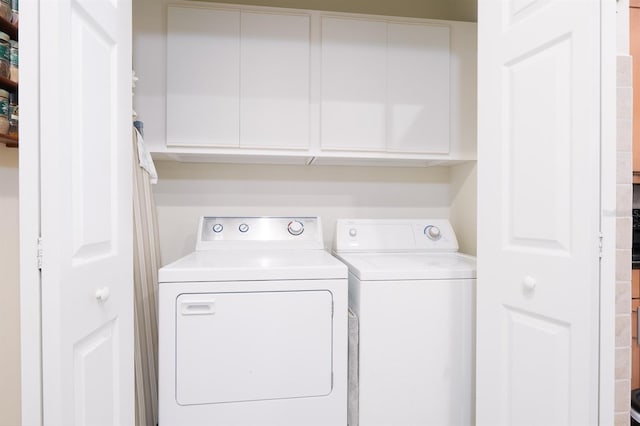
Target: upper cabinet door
(354,76)
(237,78)
(274,80)
(203,76)
(418,88)
(385,86)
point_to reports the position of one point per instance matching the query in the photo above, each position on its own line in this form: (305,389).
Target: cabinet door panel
(418,88)
(203,76)
(274,80)
(353,105)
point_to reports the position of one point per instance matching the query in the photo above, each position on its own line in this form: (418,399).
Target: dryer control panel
(394,235)
(259,232)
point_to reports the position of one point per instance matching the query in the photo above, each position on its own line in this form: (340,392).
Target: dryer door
(233,347)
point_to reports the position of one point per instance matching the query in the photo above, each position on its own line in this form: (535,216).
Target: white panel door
(538,224)
(418,88)
(274,80)
(86,225)
(354,78)
(203,76)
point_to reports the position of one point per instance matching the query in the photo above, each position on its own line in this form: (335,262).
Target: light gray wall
(187,191)
(464,205)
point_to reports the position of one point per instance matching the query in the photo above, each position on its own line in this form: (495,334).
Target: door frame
(29,199)
(29,194)
(608,167)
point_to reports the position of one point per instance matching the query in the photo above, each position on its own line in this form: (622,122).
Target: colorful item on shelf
(13,68)
(4,112)
(5,9)
(5,55)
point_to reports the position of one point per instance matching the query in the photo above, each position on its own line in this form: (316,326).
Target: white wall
(464,205)
(187,191)
(9,289)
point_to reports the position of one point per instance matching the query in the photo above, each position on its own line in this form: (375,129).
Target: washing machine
(253,327)
(412,297)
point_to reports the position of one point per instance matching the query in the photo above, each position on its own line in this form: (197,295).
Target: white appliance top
(409,266)
(401,249)
(256,249)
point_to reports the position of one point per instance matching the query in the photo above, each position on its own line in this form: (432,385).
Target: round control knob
(243,227)
(217,228)
(353,232)
(295,227)
(433,232)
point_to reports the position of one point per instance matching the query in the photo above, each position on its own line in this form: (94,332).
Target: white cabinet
(203,79)
(418,100)
(237,78)
(255,84)
(385,86)
(274,80)
(354,77)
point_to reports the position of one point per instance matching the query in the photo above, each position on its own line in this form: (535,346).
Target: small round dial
(353,232)
(295,227)
(217,228)
(433,232)
(243,227)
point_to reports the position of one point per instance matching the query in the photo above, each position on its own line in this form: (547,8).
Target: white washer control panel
(394,235)
(259,232)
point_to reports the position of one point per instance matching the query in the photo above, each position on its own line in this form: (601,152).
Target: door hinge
(600,238)
(39,252)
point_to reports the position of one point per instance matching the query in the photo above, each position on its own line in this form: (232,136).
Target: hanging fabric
(146,249)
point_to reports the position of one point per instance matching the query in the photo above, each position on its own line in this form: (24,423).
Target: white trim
(608,158)
(29,172)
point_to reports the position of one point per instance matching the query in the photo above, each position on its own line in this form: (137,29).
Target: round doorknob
(102,294)
(529,283)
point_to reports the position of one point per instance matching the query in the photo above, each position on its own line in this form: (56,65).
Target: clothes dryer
(253,327)
(412,294)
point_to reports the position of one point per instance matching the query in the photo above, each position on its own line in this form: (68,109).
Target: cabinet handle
(637,325)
